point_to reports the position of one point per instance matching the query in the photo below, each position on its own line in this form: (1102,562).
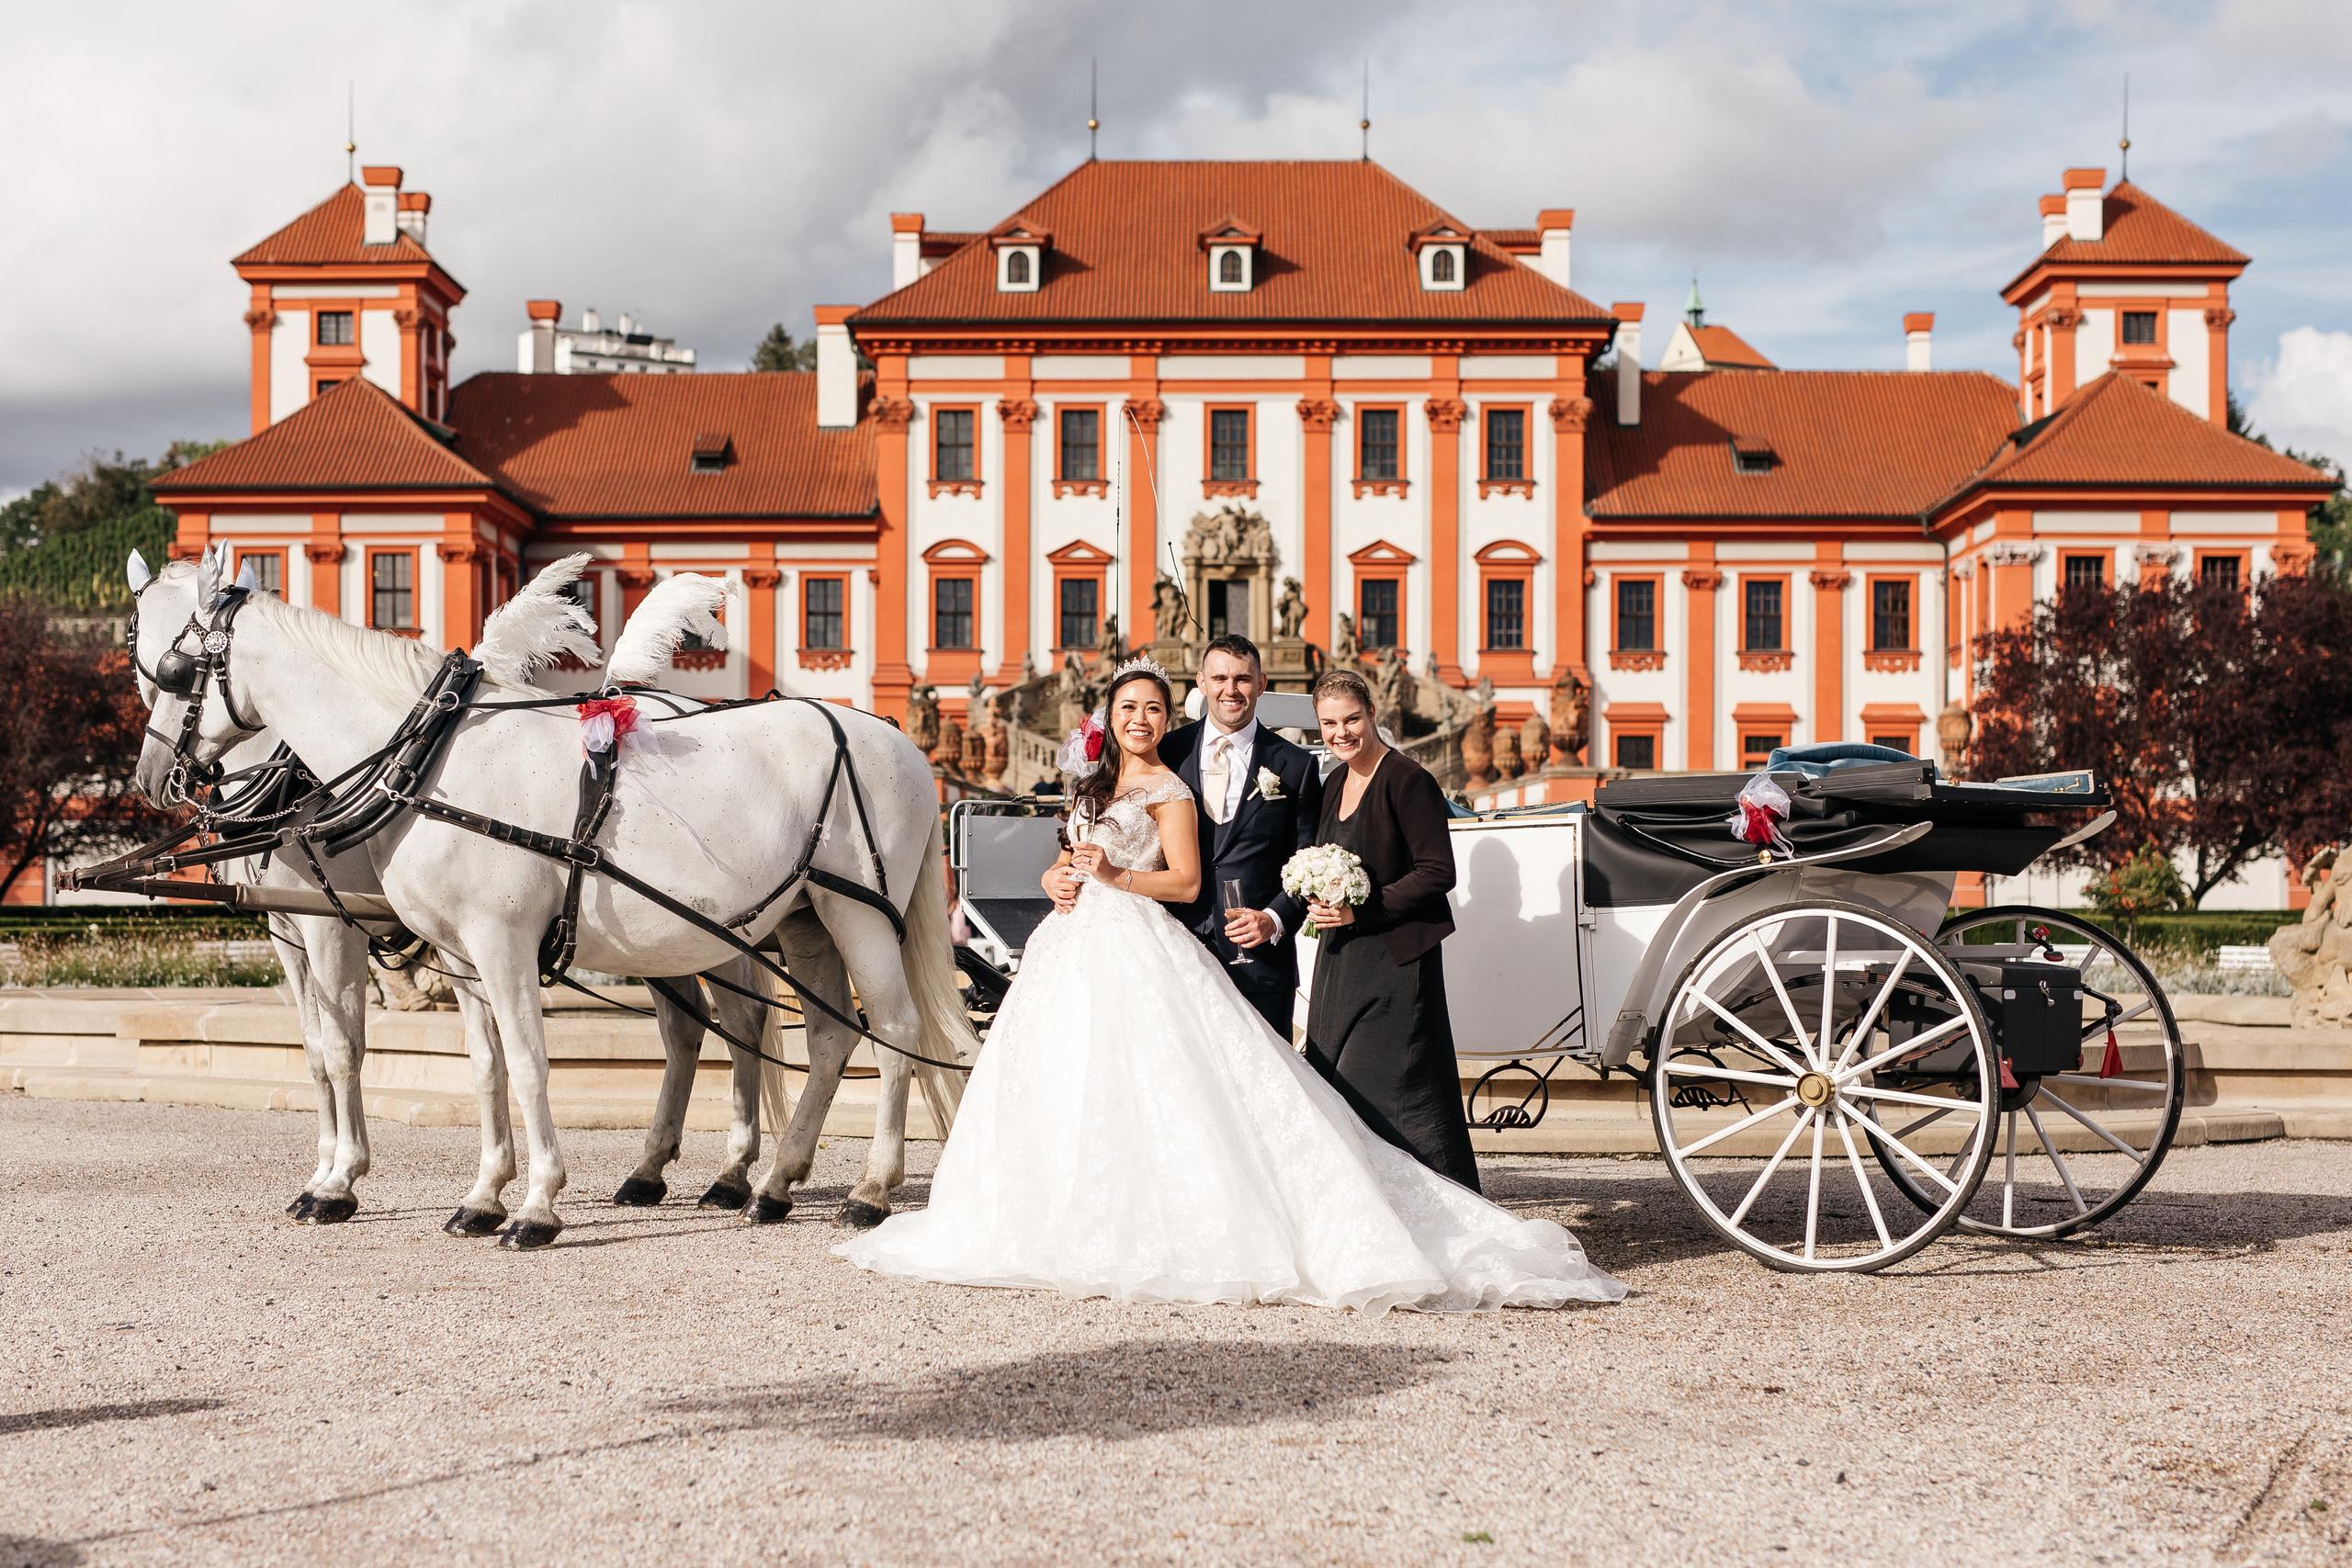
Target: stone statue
(1571,717)
(2315,957)
(1483,692)
(976,693)
(1166,610)
(1028,668)
(1289,611)
(1478,747)
(922,717)
(1071,691)
(1113,651)
(1344,647)
(1954,729)
(1388,688)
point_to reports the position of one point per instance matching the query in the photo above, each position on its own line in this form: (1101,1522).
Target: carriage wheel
(1786,1034)
(2091,1140)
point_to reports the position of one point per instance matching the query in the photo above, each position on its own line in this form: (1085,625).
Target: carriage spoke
(1763,1045)
(2119,1145)
(2052,1150)
(1846,1075)
(1813,1191)
(1770,1167)
(1788,1009)
(2009,1176)
(1862,1030)
(1902,1096)
(1931,1116)
(1742,1126)
(2086,1078)
(1899,1147)
(1707,1070)
(1829,987)
(1870,1198)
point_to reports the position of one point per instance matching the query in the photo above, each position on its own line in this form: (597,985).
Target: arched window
(1228,267)
(1441,265)
(1016,267)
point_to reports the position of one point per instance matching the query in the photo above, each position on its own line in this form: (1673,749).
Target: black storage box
(2038,1011)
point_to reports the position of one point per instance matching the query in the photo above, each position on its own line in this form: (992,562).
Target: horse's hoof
(722,1196)
(859,1215)
(641,1192)
(523,1235)
(474,1222)
(768,1211)
(302,1206)
(331,1210)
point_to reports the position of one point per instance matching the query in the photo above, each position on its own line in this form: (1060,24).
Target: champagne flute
(1082,824)
(1236,899)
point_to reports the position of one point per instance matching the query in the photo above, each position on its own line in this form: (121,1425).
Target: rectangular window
(1901,743)
(2220,571)
(1376,622)
(1506,615)
(1080,611)
(951,613)
(1376,453)
(1228,444)
(1637,750)
(821,612)
(1506,444)
(1637,616)
(1763,626)
(2086,571)
(1756,748)
(392,592)
(334,328)
(269,570)
(952,458)
(2140,327)
(1082,448)
(1890,615)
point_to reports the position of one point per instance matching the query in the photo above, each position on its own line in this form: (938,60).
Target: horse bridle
(191,676)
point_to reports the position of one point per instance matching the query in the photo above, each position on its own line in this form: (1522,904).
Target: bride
(1135,1130)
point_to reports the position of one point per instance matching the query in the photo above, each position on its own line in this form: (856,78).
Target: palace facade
(1336,415)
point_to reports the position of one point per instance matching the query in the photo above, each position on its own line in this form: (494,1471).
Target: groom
(1260,801)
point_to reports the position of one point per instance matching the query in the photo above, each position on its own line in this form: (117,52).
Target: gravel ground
(186,1377)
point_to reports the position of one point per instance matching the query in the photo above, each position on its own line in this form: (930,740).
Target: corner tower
(349,289)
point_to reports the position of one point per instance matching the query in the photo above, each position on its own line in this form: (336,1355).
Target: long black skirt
(1378,1031)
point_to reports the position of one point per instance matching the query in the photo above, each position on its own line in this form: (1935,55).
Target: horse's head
(179,651)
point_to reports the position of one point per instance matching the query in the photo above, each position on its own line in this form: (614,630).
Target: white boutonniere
(1270,785)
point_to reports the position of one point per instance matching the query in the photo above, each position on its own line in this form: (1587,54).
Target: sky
(715,167)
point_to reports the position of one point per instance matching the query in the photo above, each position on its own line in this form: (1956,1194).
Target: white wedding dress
(1133,1129)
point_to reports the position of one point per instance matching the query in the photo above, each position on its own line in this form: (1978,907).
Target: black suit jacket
(1407,853)
(1253,847)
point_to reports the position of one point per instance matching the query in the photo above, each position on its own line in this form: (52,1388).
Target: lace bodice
(1129,834)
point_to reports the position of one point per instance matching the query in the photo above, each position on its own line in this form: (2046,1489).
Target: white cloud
(2302,395)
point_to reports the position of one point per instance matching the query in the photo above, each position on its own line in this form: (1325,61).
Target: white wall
(289,378)
(2186,339)
(380,342)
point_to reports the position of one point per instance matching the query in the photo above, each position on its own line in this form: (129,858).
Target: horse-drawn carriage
(1812,1005)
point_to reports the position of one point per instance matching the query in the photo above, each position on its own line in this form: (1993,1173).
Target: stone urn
(1478,747)
(949,751)
(1954,727)
(1534,742)
(1506,758)
(975,754)
(999,751)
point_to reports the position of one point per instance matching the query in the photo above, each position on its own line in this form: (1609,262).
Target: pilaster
(1445,413)
(1699,585)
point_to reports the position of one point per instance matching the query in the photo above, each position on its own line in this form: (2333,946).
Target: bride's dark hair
(1097,790)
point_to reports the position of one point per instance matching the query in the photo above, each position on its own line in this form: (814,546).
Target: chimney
(1629,361)
(1917,328)
(380,183)
(906,250)
(836,369)
(538,352)
(590,321)
(628,324)
(413,206)
(1552,260)
(2053,221)
(2085,208)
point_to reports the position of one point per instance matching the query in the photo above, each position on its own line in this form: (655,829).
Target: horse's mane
(396,667)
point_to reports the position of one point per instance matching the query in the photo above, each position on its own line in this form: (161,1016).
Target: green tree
(777,351)
(102,490)
(2331,522)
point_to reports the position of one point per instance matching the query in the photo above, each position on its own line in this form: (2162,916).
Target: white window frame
(1216,269)
(1004,255)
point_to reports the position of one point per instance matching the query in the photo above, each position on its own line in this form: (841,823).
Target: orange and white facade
(1733,556)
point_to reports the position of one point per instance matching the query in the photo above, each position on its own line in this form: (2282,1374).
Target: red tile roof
(353,437)
(1125,249)
(619,445)
(329,234)
(2136,227)
(2118,432)
(1859,443)
(1724,349)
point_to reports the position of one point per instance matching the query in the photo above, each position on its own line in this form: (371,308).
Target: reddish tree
(2220,717)
(70,726)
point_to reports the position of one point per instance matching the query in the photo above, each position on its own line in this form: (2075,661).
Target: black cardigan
(1406,851)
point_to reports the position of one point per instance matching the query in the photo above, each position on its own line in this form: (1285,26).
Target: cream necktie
(1215,775)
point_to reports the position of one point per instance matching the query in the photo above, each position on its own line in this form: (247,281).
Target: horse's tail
(948,1034)
(775,1083)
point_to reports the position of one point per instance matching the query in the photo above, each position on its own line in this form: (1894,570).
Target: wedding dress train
(1134,1130)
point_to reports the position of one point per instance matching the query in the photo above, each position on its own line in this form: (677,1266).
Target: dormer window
(1752,455)
(1441,251)
(1020,249)
(1017,268)
(1232,250)
(711,453)
(1229,266)
(1444,268)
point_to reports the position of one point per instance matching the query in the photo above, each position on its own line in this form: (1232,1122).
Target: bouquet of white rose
(1326,874)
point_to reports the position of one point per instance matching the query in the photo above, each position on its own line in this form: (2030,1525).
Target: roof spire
(350,130)
(1363,124)
(1094,105)
(1694,310)
(2124,146)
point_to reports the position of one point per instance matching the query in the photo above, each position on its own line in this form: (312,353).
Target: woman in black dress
(1377,1025)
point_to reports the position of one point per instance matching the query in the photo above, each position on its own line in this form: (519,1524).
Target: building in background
(546,346)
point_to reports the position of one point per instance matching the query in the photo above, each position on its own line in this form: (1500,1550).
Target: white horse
(325,962)
(718,825)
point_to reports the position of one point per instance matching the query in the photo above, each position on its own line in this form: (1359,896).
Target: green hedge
(83,571)
(2196,934)
(190,921)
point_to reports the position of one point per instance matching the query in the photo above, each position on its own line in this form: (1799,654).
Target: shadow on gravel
(31,1551)
(1135,1389)
(68,1417)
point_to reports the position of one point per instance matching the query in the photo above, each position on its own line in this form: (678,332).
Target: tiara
(1141,664)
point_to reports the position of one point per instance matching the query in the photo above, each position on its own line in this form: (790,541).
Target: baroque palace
(1299,399)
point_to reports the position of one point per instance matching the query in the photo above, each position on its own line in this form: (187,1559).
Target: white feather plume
(538,626)
(682,602)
